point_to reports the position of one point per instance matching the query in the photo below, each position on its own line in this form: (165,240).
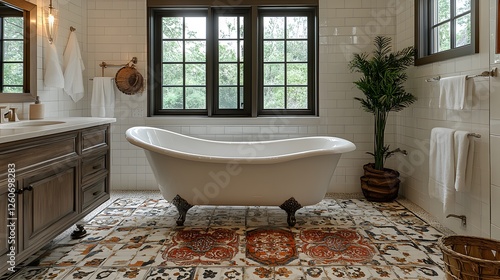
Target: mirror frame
(30,53)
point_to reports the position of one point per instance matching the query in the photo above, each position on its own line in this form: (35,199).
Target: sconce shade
(50,16)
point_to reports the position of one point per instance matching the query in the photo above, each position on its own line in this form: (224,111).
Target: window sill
(197,120)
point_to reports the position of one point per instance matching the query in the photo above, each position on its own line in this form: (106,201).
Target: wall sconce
(50,17)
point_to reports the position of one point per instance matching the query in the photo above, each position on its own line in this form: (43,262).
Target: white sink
(27,124)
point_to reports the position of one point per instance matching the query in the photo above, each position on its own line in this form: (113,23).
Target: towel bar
(91,79)
(492,73)
(105,65)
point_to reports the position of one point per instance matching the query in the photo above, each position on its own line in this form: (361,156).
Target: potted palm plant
(382,84)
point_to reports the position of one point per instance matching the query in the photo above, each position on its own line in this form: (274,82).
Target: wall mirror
(18,45)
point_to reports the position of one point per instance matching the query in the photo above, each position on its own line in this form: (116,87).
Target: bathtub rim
(132,137)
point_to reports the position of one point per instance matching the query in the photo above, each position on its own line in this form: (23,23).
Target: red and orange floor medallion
(341,246)
(201,247)
(271,246)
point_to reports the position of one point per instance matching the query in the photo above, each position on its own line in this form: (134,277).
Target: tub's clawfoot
(182,206)
(291,206)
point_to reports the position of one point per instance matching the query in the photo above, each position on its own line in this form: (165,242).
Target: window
(11,49)
(183,57)
(232,93)
(234,61)
(446,29)
(285,62)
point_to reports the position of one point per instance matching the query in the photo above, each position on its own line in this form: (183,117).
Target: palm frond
(382,84)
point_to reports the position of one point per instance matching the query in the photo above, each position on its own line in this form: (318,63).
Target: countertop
(24,129)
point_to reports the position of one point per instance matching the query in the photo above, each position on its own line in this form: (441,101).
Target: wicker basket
(470,258)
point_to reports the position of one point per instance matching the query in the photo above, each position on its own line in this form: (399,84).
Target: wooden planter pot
(380,185)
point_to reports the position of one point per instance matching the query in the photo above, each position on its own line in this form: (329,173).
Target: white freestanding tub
(288,173)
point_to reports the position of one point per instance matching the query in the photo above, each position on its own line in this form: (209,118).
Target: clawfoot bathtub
(288,173)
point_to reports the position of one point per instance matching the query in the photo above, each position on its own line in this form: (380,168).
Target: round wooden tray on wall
(129,81)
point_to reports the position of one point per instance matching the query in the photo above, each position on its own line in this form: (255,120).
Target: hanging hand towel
(103,98)
(73,67)
(464,158)
(442,166)
(53,76)
(454,93)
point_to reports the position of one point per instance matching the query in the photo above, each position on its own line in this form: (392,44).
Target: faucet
(4,112)
(8,115)
(461,217)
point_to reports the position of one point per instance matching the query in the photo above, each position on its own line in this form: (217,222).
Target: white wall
(415,123)
(117,31)
(494,129)
(57,103)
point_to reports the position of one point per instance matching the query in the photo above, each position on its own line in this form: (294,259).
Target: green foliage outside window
(12,56)
(445,18)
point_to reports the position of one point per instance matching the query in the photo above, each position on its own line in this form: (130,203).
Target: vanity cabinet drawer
(92,168)
(46,150)
(95,138)
(95,192)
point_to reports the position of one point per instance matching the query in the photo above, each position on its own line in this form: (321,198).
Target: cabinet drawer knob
(97,166)
(19,191)
(28,188)
(96,193)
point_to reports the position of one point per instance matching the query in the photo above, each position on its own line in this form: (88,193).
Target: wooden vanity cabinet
(60,178)
(4,220)
(49,200)
(95,167)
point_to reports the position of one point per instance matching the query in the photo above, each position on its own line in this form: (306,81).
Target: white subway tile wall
(494,118)
(415,123)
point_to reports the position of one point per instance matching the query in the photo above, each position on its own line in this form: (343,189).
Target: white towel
(53,76)
(454,93)
(103,98)
(442,166)
(464,159)
(73,67)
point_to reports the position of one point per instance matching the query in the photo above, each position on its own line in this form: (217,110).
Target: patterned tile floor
(137,238)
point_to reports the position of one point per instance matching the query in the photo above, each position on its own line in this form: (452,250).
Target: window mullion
(453,22)
(238,70)
(441,23)
(462,14)
(285,82)
(256,62)
(210,62)
(184,62)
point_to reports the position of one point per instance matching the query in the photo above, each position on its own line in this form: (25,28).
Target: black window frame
(252,11)
(423,33)
(155,90)
(248,88)
(7,12)
(312,62)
